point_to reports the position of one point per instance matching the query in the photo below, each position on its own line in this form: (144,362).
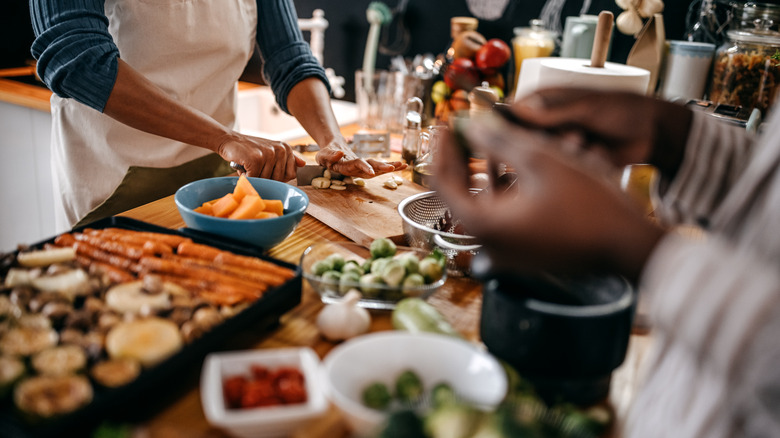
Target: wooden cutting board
(363,213)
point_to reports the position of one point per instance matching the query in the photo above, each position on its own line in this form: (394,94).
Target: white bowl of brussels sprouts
(383,273)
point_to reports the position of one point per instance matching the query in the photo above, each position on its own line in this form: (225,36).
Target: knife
(304,175)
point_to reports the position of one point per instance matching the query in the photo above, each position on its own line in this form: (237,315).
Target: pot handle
(439,241)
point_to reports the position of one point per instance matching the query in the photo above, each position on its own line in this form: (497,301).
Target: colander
(428,224)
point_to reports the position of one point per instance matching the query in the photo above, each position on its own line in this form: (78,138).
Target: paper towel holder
(598,55)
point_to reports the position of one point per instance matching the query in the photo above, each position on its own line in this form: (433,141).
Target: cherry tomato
(233,388)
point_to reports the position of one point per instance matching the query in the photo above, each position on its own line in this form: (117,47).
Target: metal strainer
(428,223)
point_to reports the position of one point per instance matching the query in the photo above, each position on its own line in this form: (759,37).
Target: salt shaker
(414,107)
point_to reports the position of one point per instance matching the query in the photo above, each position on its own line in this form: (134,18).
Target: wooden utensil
(598,56)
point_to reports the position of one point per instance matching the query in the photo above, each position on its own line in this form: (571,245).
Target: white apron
(195,50)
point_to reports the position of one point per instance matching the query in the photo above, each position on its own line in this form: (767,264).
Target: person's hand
(629,127)
(564,214)
(338,157)
(261,157)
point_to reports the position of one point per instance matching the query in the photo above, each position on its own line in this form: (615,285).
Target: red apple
(492,55)
(461,74)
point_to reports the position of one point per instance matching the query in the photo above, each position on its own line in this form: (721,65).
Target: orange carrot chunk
(206,208)
(249,207)
(274,206)
(225,205)
(265,215)
(243,188)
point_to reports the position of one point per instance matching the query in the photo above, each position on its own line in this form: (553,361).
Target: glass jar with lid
(746,70)
(532,42)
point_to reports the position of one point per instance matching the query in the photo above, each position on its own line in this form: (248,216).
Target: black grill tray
(156,382)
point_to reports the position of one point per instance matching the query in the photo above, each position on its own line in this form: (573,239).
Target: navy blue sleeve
(77,57)
(287,57)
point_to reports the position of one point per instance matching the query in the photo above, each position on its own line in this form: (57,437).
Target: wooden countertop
(459,300)
(30,96)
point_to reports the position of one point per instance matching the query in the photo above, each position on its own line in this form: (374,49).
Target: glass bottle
(422,172)
(409,146)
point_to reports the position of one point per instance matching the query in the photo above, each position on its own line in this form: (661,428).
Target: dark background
(427,21)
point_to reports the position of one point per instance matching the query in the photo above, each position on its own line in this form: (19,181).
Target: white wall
(26,195)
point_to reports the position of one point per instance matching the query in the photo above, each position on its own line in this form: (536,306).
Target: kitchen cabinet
(26,198)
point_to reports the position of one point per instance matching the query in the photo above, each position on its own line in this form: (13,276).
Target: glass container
(422,172)
(532,42)
(746,69)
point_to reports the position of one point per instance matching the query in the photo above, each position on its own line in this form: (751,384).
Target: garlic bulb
(627,4)
(648,8)
(629,22)
(345,319)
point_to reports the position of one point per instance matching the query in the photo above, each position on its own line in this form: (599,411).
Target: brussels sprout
(352,266)
(376,396)
(367,265)
(410,262)
(348,280)
(371,284)
(442,394)
(413,281)
(330,280)
(321,266)
(378,265)
(393,273)
(403,424)
(431,269)
(382,247)
(337,260)
(408,387)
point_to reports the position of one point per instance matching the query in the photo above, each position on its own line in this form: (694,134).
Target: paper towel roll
(537,73)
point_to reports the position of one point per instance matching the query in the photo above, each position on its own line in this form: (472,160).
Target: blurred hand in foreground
(629,128)
(565,214)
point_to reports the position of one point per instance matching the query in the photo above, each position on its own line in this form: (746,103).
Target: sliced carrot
(265,215)
(274,206)
(243,188)
(249,207)
(225,205)
(206,208)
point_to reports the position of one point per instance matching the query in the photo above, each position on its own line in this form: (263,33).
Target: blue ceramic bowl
(264,233)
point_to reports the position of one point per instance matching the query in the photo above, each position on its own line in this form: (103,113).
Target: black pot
(564,336)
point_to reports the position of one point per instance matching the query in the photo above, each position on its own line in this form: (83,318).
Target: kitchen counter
(459,301)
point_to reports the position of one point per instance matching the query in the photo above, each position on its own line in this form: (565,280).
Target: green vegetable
(377,396)
(382,247)
(415,315)
(322,266)
(410,262)
(443,394)
(331,280)
(403,424)
(413,281)
(393,273)
(352,266)
(348,280)
(431,269)
(371,285)
(408,387)
(454,420)
(378,265)
(337,260)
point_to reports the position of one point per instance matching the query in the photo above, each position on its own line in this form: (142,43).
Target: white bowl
(474,374)
(261,422)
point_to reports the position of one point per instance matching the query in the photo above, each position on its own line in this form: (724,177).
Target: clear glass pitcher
(430,139)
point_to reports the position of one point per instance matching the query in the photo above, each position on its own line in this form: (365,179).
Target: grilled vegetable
(60,361)
(113,373)
(50,396)
(26,341)
(11,370)
(149,340)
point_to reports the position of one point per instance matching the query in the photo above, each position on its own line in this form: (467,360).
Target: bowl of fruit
(383,273)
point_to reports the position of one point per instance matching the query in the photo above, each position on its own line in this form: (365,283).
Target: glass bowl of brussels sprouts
(383,272)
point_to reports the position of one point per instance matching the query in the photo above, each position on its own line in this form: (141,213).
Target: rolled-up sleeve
(77,57)
(287,58)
